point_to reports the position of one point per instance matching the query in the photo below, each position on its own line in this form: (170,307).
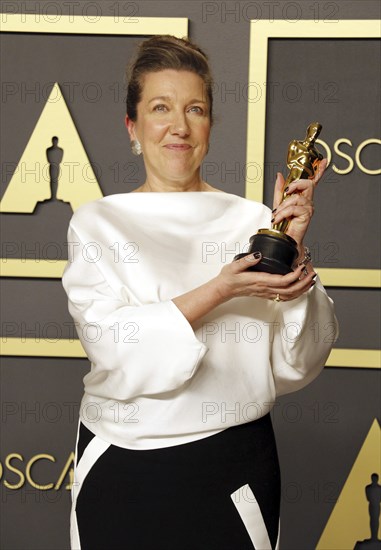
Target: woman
(175,448)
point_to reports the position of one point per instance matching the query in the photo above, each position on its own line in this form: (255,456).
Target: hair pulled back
(166,52)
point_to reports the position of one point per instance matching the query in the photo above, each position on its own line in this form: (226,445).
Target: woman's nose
(179,124)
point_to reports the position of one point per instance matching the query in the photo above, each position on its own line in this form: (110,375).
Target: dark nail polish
(272,220)
(314,277)
(272,211)
(287,188)
(257,255)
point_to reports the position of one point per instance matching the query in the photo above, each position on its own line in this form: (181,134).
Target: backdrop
(277,66)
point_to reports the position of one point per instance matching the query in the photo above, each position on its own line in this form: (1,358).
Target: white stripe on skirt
(92,452)
(243,498)
(251,515)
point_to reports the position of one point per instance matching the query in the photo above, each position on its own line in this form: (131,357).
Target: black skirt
(218,493)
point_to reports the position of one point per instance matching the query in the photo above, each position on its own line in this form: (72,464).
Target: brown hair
(166,52)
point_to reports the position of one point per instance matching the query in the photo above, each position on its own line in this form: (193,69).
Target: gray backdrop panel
(319,429)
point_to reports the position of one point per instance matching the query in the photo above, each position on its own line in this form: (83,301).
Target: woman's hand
(298,206)
(234,280)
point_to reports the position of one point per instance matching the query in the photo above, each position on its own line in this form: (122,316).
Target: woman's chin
(179,172)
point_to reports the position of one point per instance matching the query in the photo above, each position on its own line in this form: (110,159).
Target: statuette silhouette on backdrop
(373,496)
(54,154)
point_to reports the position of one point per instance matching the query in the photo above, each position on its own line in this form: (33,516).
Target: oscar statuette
(279,250)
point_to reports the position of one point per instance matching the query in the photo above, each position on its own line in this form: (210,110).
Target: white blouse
(155,381)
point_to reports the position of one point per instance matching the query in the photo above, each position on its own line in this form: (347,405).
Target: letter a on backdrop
(30,182)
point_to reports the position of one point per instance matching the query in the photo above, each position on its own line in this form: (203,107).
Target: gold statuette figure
(279,250)
(303,161)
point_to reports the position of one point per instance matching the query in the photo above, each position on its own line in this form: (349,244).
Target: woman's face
(173,125)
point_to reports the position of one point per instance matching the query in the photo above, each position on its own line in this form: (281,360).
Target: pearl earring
(136,148)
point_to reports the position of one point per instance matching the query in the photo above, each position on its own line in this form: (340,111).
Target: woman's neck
(151,187)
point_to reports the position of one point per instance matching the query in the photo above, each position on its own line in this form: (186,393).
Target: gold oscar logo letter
(31,181)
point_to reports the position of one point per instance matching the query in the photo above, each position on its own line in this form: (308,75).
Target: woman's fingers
(320,171)
(238,281)
(278,191)
(259,277)
(300,286)
(303,213)
(266,280)
(294,290)
(293,207)
(305,186)
(293,200)
(242,264)
(285,291)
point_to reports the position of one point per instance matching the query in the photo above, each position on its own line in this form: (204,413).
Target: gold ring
(277,298)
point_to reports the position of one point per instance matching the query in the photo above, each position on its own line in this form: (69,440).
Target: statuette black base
(279,252)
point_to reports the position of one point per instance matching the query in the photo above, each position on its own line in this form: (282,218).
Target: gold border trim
(34,347)
(68,24)
(354,358)
(65,348)
(53,269)
(47,269)
(77,24)
(351,278)
(260,33)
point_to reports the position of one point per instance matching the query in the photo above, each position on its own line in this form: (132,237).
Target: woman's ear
(130,125)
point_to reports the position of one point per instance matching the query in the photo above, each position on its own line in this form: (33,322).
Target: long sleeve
(304,332)
(155,381)
(134,350)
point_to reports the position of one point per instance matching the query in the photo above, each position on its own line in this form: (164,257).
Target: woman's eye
(160,107)
(197,109)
